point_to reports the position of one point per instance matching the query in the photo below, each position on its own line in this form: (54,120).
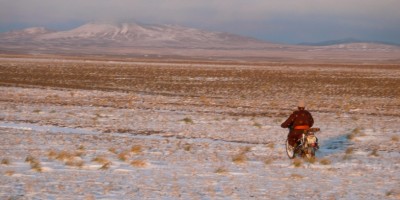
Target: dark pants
(294,136)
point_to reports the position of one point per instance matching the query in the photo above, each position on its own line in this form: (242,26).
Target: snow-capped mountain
(130,39)
(28,33)
(130,34)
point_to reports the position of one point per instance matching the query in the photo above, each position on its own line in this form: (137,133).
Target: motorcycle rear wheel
(289,150)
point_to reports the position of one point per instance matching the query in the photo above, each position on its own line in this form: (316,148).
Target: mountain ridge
(138,40)
(134,34)
(346,41)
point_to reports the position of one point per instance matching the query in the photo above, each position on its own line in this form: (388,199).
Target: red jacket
(298,118)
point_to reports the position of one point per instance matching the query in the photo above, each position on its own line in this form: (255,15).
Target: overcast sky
(284,21)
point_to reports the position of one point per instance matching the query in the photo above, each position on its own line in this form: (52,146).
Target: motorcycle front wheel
(310,152)
(289,150)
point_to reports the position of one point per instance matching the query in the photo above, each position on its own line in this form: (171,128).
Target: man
(297,122)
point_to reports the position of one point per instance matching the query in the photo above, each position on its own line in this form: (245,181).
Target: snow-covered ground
(60,143)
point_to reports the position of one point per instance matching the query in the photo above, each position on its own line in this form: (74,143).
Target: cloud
(231,14)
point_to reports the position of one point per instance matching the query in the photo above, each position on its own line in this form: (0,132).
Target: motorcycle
(306,146)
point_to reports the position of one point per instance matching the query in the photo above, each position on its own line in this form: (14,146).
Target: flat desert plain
(154,129)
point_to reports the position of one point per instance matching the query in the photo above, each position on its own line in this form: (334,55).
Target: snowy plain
(224,143)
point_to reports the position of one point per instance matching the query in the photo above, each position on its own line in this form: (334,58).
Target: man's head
(301,105)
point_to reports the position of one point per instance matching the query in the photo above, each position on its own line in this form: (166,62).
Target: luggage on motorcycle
(314,130)
(311,139)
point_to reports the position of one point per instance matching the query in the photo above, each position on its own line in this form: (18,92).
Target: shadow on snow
(333,145)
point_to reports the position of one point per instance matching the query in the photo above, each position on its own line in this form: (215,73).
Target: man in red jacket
(297,122)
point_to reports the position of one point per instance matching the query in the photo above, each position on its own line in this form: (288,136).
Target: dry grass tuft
(349,150)
(112,150)
(5,161)
(123,156)
(52,154)
(29,159)
(9,172)
(271,145)
(311,160)
(239,158)
(100,160)
(346,157)
(374,153)
(35,164)
(139,163)
(268,161)
(136,149)
(69,159)
(37,111)
(355,132)
(187,120)
(258,125)
(245,149)
(106,166)
(75,162)
(205,100)
(187,147)
(350,136)
(393,193)
(297,162)
(296,176)
(64,156)
(325,161)
(81,147)
(221,170)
